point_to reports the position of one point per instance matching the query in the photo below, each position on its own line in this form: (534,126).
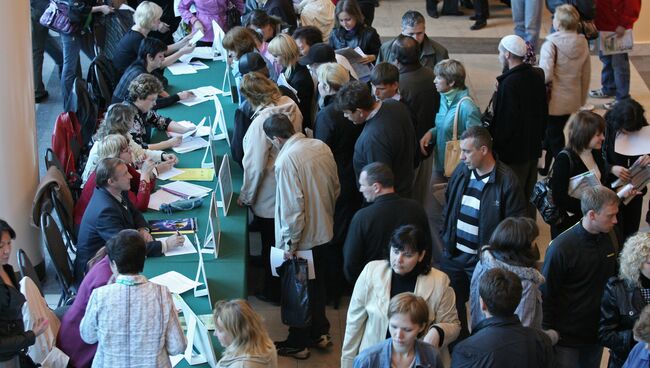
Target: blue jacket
(104,218)
(379,356)
(468,115)
(639,356)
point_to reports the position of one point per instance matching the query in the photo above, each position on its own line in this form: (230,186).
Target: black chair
(27,270)
(66,219)
(52,160)
(58,253)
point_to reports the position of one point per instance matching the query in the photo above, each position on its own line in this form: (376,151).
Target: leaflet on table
(186,190)
(206,91)
(201,129)
(160,197)
(580,182)
(277,258)
(192,101)
(175,282)
(198,65)
(203,52)
(195,175)
(186,248)
(206,319)
(191,144)
(170,173)
(611,43)
(181,68)
(171,226)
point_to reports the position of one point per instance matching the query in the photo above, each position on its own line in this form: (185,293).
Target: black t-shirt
(127,50)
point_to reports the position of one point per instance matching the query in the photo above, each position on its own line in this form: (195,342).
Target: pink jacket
(206,12)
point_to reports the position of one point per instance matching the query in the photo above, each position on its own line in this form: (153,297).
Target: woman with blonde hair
(285,51)
(147,19)
(142,183)
(624,298)
(258,186)
(240,331)
(564,57)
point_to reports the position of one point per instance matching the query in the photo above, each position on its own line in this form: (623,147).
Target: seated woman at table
(408,316)
(146,18)
(408,269)
(133,320)
(142,183)
(286,53)
(119,120)
(143,92)
(13,337)
(352,32)
(240,331)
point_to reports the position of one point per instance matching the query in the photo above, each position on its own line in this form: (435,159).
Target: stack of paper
(175,282)
(195,175)
(181,68)
(191,144)
(201,130)
(186,190)
(160,197)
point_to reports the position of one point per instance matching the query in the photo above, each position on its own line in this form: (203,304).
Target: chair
(52,160)
(64,209)
(27,270)
(58,253)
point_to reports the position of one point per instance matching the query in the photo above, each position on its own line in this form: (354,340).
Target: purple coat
(206,12)
(69,340)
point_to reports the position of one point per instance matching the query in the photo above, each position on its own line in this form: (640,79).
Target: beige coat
(269,360)
(564,57)
(258,187)
(367,320)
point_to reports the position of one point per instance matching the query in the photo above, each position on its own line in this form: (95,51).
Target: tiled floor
(476,49)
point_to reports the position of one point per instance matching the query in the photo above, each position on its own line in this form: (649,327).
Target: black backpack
(101,81)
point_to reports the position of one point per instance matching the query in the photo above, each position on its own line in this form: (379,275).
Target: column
(18,150)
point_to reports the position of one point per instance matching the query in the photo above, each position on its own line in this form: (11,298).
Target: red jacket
(138,195)
(66,130)
(613,13)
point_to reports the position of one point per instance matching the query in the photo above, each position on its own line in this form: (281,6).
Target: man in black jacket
(372,226)
(500,340)
(481,192)
(110,211)
(387,136)
(520,112)
(576,267)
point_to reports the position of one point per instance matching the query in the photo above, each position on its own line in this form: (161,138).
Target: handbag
(588,28)
(452,147)
(233,16)
(294,300)
(488,115)
(542,197)
(56,17)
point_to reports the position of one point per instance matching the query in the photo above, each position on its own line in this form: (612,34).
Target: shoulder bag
(56,17)
(488,115)
(542,197)
(452,147)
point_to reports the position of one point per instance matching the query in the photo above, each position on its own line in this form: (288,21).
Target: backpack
(101,81)
(66,145)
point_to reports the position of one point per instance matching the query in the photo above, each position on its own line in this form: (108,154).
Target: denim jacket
(379,356)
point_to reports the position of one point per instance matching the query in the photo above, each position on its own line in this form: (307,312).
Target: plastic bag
(294,301)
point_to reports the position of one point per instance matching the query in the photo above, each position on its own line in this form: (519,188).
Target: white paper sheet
(198,35)
(170,173)
(206,91)
(193,101)
(187,248)
(175,359)
(198,65)
(191,144)
(159,197)
(203,52)
(187,189)
(181,68)
(277,258)
(201,129)
(175,282)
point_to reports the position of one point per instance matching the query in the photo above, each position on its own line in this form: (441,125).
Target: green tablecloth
(226,275)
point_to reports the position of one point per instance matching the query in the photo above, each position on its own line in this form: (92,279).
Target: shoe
(433,14)
(290,351)
(609,105)
(323,342)
(478,25)
(598,93)
(456,13)
(41,96)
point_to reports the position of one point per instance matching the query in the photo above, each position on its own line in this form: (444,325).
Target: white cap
(513,44)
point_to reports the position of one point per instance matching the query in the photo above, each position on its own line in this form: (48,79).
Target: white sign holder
(219,122)
(209,151)
(213,234)
(197,336)
(224,182)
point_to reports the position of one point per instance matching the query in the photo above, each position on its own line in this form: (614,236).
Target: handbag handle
(455,133)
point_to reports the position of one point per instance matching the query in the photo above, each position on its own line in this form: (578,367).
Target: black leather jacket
(13,337)
(365,37)
(620,308)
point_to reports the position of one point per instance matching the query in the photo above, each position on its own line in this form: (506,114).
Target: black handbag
(25,361)
(294,300)
(56,17)
(542,197)
(488,115)
(233,16)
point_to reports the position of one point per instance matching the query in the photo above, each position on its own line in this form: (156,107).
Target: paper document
(160,197)
(186,248)
(198,65)
(203,52)
(201,129)
(175,282)
(191,144)
(181,68)
(186,189)
(277,259)
(196,175)
(611,44)
(352,55)
(175,359)
(198,35)
(189,102)
(580,182)
(206,91)
(170,173)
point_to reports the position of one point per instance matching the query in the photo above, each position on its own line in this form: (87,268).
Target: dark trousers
(460,267)
(629,217)
(481,10)
(266,227)
(527,176)
(42,42)
(302,337)
(432,6)
(554,137)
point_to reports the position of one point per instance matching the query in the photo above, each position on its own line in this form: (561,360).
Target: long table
(226,275)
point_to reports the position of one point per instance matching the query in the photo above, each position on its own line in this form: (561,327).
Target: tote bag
(452,147)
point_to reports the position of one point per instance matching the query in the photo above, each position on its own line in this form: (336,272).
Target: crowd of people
(340,158)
